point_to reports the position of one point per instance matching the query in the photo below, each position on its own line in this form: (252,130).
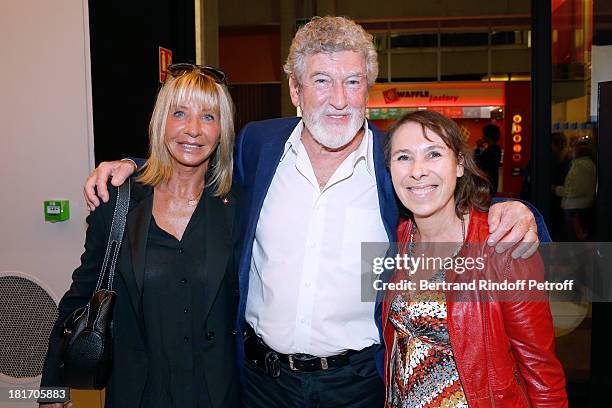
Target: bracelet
(127,159)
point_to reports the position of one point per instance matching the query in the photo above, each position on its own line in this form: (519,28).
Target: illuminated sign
(429,94)
(165,59)
(517,138)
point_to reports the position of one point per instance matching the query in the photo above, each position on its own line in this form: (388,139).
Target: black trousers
(356,385)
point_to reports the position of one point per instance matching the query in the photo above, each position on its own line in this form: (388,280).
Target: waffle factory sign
(436,94)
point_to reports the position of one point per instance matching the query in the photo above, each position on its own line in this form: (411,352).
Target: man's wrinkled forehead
(343,60)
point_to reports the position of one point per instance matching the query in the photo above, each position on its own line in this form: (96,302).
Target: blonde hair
(328,35)
(202,90)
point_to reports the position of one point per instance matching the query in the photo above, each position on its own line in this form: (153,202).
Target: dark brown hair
(472,189)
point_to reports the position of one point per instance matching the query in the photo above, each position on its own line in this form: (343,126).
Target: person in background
(175,291)
(443,350)
(315,188)
(559,166)
(578,192)
(480,146)
(490,158)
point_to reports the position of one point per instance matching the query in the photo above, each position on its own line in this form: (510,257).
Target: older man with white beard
(315,188)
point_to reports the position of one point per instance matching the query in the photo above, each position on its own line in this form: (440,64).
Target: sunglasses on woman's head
(176,70)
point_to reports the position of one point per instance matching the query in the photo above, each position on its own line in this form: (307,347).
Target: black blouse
(172,302)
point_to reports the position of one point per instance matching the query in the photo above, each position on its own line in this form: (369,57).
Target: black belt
(258,353)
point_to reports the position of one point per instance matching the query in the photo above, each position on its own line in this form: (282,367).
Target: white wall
(46,146)
(46,135)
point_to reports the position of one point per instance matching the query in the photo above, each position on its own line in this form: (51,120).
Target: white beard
(333,137)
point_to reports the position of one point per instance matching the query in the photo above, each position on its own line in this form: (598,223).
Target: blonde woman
(173,318)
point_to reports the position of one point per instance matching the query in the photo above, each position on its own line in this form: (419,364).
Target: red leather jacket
(504,351)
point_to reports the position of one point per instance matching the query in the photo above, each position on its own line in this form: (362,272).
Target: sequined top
(424,373)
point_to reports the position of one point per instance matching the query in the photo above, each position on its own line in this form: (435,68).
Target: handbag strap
(115,236)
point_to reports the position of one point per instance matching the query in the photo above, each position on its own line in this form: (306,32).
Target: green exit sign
(57,210)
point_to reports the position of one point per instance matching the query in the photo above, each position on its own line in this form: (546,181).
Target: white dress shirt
(305,277)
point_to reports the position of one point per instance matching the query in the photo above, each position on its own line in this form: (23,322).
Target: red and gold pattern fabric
(424,371)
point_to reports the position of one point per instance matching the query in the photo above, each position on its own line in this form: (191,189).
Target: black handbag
(86,358)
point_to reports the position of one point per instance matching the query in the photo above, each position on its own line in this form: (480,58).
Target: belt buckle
(324,365)
(321,360)
(272,364)
(291,366)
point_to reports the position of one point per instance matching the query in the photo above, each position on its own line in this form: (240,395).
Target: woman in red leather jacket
(457,348)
